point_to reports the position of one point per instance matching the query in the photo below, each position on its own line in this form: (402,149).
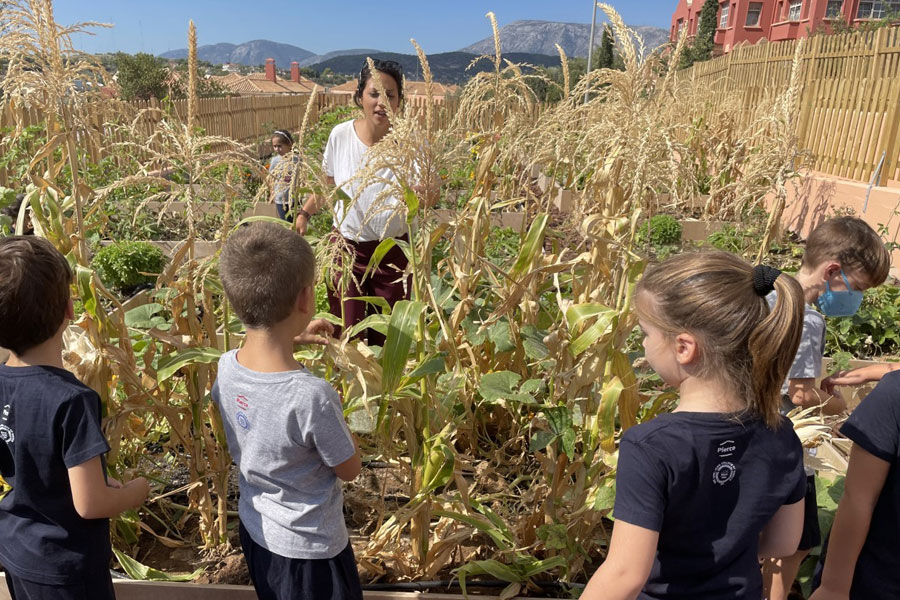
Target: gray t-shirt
(808,361)
(285,432)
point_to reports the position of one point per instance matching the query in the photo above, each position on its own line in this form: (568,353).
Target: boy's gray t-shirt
(808,360)
(285,432)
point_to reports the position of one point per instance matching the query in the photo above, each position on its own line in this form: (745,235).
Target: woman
(366,221)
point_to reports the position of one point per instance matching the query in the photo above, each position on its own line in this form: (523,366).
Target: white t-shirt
(367,218)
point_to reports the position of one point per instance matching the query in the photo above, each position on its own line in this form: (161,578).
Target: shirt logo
(242,420)
(724,473)
(7,434)
(242,402)
(726,448)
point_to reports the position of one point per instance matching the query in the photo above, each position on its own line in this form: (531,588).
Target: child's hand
(846,377)
(141,488)
(317,332)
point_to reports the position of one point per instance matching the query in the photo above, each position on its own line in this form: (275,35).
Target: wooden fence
(247,119)
(849,98)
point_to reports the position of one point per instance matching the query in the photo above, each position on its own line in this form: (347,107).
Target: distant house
(411,89)
(267,82)
(742,21)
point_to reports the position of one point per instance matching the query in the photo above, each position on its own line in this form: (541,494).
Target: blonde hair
(264,267)
(712,296)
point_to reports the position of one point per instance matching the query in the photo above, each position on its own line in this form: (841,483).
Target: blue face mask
(841,303)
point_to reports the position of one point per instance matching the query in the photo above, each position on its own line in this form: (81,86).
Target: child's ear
(306,302)
(70,309)
(687,350)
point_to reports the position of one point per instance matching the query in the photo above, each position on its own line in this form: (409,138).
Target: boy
(862,561)
(54,524)
(284,426)
(843,257)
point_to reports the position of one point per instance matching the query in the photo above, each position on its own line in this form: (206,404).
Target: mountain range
(528,37)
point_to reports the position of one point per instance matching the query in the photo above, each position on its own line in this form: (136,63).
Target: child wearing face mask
(843,257)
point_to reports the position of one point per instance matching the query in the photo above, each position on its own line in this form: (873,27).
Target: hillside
(541,37)
(249,53)
(447,67)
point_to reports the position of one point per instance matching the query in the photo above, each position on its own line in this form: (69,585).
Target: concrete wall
(813,198)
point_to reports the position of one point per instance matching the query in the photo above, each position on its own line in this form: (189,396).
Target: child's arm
(804,393)
(350,468)
(94,499)
(781,535)
(865,479)
(858,376)
(627,566)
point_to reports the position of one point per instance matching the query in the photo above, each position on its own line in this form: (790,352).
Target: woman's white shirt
(345,155)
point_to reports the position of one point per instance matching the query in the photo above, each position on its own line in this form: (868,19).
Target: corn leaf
(142,572)
(170,364)
(401,328)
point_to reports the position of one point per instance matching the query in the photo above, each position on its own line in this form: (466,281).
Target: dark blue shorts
(99,587)
(276,577)
(812,534)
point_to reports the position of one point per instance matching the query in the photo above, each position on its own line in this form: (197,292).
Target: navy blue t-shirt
(875,427)
(50,422)
(708,483)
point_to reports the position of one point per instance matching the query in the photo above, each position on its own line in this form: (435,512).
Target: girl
(282,171)
(367,221)
(702,493)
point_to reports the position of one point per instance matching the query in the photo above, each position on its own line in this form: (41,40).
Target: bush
(660,230)
(125,266)
(873,331)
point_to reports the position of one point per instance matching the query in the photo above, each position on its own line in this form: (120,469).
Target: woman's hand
(317,332)
(301,224)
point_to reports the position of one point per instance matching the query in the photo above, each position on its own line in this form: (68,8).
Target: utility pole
(591,47)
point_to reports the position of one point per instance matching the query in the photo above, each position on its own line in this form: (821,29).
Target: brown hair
(264,267)
(851,242)
(712,296)
(34,291)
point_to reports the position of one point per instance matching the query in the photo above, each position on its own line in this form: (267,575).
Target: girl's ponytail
(773,344)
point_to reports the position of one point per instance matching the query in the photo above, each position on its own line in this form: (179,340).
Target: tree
(706,32)
(141,76)
(606,55)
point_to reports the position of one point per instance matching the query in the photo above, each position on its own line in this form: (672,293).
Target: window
(753,13)
(680,26)
(723,18)
(877,10)
(833,10)
(794,10)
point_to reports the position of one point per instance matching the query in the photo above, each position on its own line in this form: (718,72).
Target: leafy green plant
(127,265)
(660,230)
(872,331)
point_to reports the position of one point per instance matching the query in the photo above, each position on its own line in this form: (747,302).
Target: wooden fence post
(892,130)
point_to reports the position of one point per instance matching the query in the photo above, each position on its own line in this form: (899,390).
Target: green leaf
(142,572)
(568,442)
(532,247)
(554,536)
(377,322)
(412,204)
(378,301)
(531,386)
(600,328)
(606,497)
(501,336)
(401,328)
(541,440)
(579,313)
(499,386)
(607,415)
(143,316)
(431,366)
(170,364)
(383,248)
(560,419)
(533,343)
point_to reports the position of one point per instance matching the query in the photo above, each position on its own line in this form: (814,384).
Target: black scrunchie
(764,278)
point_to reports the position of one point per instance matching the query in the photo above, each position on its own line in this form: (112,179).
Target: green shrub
(126,265)
(660,230)
(871,332)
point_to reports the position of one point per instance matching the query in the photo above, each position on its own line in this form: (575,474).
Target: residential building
(267,82)
(743,21)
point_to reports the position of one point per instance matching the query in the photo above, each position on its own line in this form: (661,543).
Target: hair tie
(285,134)
(764,278)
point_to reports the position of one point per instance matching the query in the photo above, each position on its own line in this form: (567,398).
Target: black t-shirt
(875,427)
(50,422)
(708,483)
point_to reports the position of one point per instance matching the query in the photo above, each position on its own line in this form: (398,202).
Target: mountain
(249,53)
(447,67)
(323,57)
(540,37)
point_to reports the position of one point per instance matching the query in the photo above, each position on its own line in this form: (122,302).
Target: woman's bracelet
(303,213)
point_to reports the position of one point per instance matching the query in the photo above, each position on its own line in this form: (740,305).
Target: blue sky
(156,26)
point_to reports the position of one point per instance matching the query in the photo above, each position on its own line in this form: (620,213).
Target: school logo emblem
(724,473)
(242,420)
(7,434)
